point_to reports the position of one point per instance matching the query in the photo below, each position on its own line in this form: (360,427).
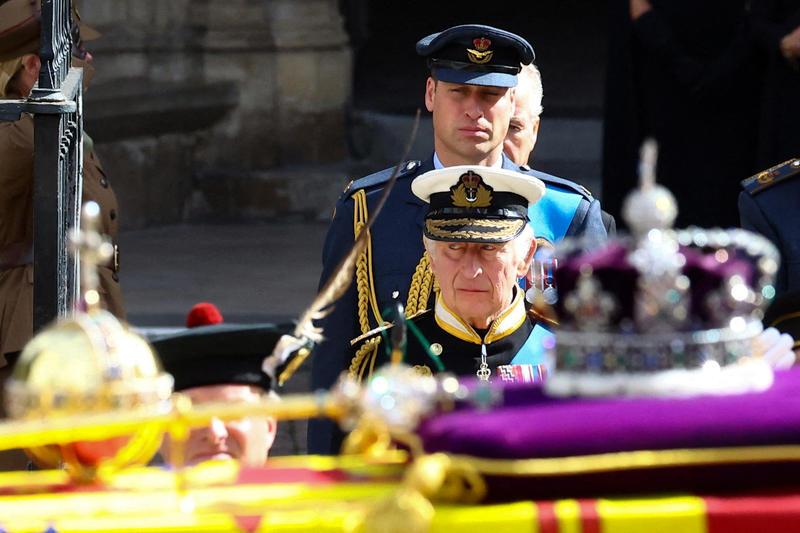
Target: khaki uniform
(16,233)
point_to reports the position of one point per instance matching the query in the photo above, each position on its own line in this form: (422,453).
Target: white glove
(777,348)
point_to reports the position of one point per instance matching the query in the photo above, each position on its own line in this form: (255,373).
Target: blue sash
(532,352)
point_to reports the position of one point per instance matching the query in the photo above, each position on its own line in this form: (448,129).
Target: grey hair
(534,78)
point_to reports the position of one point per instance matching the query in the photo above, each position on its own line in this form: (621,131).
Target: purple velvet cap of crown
(611,266)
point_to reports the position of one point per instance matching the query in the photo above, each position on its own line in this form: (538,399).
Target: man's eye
(489,247)
(455,246)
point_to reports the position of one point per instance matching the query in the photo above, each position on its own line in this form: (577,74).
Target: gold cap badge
(470,191)
(481,54)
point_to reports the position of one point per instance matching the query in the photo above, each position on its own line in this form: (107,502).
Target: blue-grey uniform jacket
(769,206)
(566,209)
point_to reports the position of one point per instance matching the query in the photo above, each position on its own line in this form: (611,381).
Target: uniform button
(104,183)
(112,214)
(115,276)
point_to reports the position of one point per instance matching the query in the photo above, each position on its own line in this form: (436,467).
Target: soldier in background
(19,71)
(222,363)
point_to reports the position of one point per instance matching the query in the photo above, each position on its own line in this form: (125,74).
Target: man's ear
(272,430)
(525,265)
(430,91)
(535,134)
(31,63)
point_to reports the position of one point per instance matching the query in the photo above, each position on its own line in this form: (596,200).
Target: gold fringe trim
(633,460)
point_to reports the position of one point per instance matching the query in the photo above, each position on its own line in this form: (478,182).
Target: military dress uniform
(395,266)
(16,233)
(448,344)
(769,206)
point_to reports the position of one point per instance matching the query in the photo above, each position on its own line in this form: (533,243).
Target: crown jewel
(660,299)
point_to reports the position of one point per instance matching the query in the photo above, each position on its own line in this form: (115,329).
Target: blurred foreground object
(89,363)
(662,311)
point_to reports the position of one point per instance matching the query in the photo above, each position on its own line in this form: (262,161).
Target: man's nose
(217,430)
(473,107)
(472,265)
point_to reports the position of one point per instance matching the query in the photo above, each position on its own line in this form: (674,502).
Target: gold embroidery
(483,197)
(504,228)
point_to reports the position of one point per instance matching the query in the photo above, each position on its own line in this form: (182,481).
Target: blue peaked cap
(476,55)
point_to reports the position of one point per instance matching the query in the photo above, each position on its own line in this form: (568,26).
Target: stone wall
(219,107)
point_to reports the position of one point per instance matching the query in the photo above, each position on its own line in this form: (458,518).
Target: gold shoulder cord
(422,282)
(366,291)
(364,281)
(420,289)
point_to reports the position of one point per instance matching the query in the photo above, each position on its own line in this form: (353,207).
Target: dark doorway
(569,37)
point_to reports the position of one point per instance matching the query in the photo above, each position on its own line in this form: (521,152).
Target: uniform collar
(505,324)
(437,164)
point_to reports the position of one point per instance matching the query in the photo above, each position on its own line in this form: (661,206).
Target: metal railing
(56,104)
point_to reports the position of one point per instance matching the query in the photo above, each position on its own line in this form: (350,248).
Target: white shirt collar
(437,163)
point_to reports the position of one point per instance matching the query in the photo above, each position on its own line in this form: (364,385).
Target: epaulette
(548,179)
(408,168)
(767,178)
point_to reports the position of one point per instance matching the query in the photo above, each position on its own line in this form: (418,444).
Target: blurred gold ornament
(89,364)
(86,364)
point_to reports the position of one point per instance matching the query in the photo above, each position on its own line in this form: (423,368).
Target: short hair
(534,78)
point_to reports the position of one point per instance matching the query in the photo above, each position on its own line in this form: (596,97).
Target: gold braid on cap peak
(504,228)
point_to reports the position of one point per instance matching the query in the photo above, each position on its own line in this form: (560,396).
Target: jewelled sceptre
(92,249)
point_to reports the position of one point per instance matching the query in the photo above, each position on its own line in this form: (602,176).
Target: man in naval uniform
(479,243)
(473,70)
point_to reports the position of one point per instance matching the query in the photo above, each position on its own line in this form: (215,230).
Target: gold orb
(89,364)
